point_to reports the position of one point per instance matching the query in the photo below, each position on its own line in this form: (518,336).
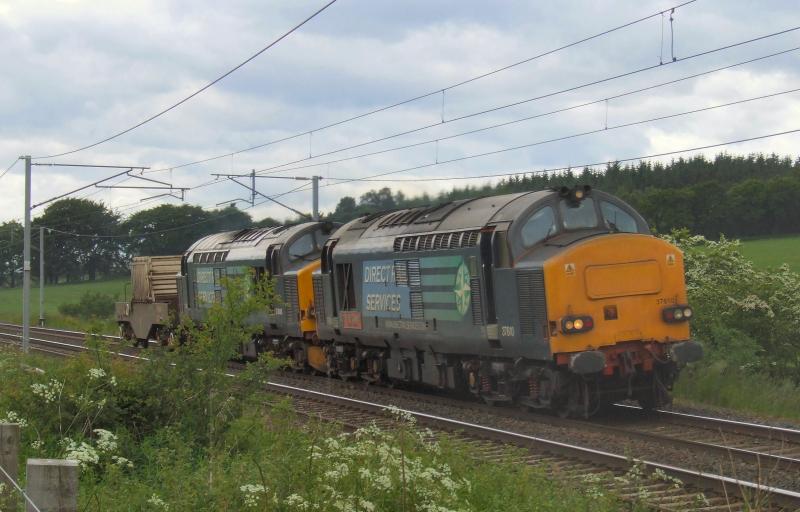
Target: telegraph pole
(41,276)
(26,262)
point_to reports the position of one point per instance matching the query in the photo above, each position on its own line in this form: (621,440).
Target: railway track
(705,491)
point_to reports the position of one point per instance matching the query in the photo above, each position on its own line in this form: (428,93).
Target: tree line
(738,196)
(107,242)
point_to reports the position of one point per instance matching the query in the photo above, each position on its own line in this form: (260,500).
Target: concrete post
(9,460)
(26,262)
(52,485)
(41,277)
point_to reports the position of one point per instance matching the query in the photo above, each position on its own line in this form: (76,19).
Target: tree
(783,204)
(747,209)
(10,252)
(345,210)
(378,199)
(175,228)
(267,222)
(229,218)
(83,241)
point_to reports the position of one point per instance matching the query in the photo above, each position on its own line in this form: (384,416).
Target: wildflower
(121,461)
(106,441)
(13,417)
(659,474)
(96,373)
(37,445)
(84,453)
(156,501)
(49,392)
(297,502)
(401,414)
(252,494)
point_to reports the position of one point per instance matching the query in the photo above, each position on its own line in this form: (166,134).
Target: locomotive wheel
(579,400)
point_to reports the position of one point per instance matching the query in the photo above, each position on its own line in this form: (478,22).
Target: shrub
(743,315)
(90,305)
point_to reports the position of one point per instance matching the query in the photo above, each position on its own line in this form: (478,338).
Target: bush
(90,305)
(743,315)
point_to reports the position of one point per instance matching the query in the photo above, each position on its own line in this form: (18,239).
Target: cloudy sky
(77,71)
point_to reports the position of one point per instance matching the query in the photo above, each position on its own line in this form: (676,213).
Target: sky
(75,72)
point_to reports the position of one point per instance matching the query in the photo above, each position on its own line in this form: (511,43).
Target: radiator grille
(532,306)
(319,298)
(437,241)
(290,296)
(414,276)
(475,300)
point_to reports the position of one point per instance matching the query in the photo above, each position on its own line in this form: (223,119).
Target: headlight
(675,314)
(576,324)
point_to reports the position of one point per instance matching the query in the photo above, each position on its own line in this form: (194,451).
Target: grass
(773,252)
(718,384)
(268,460)
(55,296)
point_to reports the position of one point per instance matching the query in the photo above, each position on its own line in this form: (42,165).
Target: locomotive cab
(600,298)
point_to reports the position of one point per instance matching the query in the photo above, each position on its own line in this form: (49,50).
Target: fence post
(53,485)
(9,460)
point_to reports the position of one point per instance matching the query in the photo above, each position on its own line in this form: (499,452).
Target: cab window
(302,248)
(580,216)
(539,226)
(617,219)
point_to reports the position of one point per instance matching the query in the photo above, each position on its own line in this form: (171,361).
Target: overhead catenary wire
(174,228)
(9,167)
(377,178)
(575,135)
(430,93)
(570,167)
(195,93)
(566,137)
(282,167)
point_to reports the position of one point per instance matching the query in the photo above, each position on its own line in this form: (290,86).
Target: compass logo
(462,289)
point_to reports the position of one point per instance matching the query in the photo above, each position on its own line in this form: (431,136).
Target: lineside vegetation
(749,322)
(176,433)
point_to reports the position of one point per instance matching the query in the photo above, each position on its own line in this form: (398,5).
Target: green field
(54,296)
(773,252)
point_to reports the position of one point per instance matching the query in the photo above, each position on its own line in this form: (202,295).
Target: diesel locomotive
(556,299)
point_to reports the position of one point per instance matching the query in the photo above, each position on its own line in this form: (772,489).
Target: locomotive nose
(624,283)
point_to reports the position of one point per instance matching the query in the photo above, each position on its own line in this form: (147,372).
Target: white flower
(156,501)
(37,445)
(113,381)
(96,373)
(122,462)
(252,494)
(49,392)
(84,453)
(297,502)
(12,417)
(106,441)
(401,414)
